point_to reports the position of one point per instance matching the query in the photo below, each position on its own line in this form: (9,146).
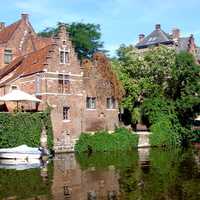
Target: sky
(121,20)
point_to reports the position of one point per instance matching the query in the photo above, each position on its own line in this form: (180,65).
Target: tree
(164,86)
(85,37)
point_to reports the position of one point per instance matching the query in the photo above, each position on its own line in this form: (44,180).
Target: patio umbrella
(18,95)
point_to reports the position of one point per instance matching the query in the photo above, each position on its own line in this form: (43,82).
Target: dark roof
(158,36)
(8,31)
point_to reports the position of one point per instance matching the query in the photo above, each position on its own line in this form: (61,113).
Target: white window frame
(65,52)
(65,81)
(91,103)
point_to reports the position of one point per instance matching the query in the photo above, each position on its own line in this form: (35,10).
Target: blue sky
(121,20)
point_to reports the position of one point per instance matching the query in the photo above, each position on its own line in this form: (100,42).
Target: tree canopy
(162,86)
(86,37)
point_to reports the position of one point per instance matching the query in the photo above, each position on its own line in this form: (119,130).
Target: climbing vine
(24,128)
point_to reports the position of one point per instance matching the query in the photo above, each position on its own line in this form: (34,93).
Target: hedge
(24,128)
(120,140)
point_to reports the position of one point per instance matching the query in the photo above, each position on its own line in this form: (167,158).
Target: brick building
(83,97)
(174,39)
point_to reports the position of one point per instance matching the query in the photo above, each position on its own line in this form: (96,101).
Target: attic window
(64,56)
(7,56)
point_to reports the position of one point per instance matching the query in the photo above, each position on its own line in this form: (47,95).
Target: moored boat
(22,152)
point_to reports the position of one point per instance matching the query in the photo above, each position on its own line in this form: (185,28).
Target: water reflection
(149,174)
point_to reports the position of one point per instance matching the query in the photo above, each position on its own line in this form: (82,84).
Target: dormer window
(7,56)
(64,56)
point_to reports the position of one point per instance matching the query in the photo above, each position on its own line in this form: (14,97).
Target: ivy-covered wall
(24,128)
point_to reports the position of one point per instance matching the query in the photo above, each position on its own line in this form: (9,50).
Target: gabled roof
(8,31)
(41,42)
(25,65)
(158,36)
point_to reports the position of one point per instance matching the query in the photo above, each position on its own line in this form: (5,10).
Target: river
(147,174)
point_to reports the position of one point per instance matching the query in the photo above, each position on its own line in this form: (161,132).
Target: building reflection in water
(144,161)
(70,182)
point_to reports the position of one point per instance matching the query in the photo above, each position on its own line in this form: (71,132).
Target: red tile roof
(41,42)
(8,31)
(25,65)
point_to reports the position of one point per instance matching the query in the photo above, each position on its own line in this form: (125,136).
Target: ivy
(24,128)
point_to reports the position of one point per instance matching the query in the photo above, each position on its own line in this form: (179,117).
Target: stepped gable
(158,36)
(25,65)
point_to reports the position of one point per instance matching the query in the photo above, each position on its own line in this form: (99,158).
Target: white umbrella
(18,95)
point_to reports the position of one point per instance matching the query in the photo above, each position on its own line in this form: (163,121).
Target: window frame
(66,113)
(110,103)
(91,103)
(65,53)
(63,83)
(9,53)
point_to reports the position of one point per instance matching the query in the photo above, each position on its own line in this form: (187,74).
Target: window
(111,104)
(91,102)
(14,87)
(64,56)
(7,56)
(66,112)
(63,83)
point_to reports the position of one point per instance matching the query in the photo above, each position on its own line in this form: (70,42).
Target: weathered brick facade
(54,74)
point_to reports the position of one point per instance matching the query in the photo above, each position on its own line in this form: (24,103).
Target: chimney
(175,34)
(157,27)
(2,26)
(141,37)
(24,16)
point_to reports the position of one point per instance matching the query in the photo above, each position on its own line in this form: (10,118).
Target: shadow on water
(146,174)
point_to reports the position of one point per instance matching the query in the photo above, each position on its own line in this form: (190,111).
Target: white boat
(22,152)
(20,164)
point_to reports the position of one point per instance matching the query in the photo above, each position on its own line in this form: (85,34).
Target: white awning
(18,95)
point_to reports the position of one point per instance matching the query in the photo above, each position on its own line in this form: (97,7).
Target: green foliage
(195,136)
(165,127)
(24,128)
(85,37)
(164,87)
(120,140)
(25,184)
(103,160)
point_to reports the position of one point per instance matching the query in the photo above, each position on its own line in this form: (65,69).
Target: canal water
(147,174)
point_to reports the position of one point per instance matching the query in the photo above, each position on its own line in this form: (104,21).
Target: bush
(195,136)
(120,140)
(165,126)
(24,128)
(164,133)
